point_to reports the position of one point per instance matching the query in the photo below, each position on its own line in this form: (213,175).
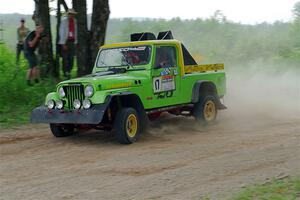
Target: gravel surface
(255,140)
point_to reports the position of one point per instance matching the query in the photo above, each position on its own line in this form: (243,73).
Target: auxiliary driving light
(59,104)
(86,104)
(61,92)
(76,104)
(50,104)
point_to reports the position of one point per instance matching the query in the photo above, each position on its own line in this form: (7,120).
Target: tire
(62,130)
(127,125)
(206,109)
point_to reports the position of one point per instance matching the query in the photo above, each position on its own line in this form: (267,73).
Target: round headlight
(61,92)
(88,91)
(59,104)
(76,104)
(50,104)
(86,104)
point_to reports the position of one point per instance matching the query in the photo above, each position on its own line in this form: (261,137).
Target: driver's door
(165,76)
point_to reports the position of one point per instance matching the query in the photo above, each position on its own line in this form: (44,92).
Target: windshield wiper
(125,67)
(136,69)
(127,63)
(122,69)
(117,70)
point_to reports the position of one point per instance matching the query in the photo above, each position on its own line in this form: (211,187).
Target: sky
(243,11)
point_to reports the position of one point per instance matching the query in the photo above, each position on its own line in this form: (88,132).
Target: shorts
(32,59)
(20,47)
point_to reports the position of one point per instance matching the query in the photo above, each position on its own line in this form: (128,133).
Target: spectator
(22,32)
(30,45)
(68,40)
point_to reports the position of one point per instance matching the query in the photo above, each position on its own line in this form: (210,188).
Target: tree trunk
(45,46)
(58,49)
(98,28)
(83,65)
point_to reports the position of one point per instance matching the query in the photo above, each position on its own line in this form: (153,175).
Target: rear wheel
(127,125)
(206,109)
(63,130)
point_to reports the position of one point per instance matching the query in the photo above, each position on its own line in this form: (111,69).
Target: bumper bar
(93,115)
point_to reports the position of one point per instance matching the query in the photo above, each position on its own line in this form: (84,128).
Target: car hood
(108,80)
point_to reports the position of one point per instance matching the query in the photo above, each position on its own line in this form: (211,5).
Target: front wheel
(127,125)
(206,109)
(63,130)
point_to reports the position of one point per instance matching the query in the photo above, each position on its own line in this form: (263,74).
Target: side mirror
(157,66)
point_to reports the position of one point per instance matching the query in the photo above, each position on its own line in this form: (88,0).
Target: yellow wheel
(209,111)
(131,125)
(127,125)
(206,109)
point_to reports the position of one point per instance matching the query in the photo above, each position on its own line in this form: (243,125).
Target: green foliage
(218,40)
(296,10)
(214,40)
(16,98)
(287,189)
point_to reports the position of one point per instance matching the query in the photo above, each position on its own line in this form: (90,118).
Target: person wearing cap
(22,32)
(68,40)
(31,43)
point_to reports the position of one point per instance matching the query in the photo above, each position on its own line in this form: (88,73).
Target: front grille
(75,91)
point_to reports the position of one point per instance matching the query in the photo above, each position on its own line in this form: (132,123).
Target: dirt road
(255,140)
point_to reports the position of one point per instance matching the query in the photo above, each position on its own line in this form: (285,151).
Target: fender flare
(196,92)
(124,95)
(129,99)
(196,88)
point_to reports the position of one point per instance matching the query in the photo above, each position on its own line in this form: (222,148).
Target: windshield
(124,56)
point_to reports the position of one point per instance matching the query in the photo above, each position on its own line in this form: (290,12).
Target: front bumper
(93,115)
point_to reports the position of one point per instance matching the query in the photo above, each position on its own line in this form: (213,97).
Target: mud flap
(220,104)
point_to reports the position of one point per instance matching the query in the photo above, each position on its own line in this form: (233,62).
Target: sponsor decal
(119,85)
(166,71)
(141,48)
(162,95)
(163,83)
(203,68)
(175,72)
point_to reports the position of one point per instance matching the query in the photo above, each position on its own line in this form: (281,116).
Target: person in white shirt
(68,40)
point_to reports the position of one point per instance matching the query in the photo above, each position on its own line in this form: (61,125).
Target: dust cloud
(254,99)
(259,94)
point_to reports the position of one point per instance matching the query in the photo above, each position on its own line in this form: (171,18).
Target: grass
(16,98)
(285,189)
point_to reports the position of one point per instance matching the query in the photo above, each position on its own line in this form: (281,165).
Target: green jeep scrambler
(131,83)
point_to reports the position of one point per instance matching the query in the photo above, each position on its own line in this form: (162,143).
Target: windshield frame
(130,46)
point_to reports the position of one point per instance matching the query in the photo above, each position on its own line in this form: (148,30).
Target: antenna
(165,35)
(141,36)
